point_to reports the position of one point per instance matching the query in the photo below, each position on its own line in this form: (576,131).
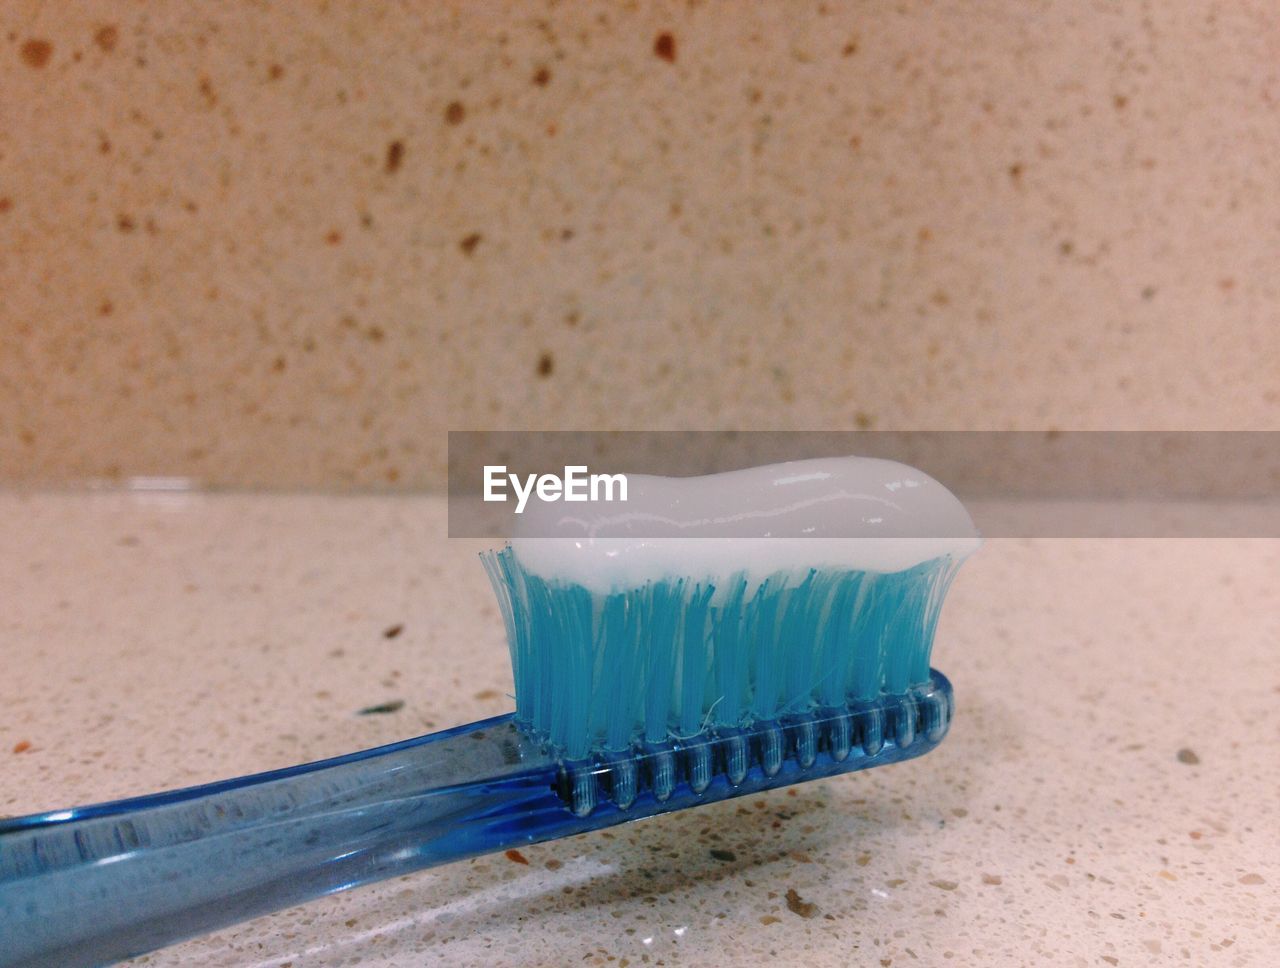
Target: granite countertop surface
(1109,793)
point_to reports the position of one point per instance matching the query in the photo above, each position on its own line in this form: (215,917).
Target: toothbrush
(715,637)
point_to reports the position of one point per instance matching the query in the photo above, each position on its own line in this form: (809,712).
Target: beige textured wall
(293,244)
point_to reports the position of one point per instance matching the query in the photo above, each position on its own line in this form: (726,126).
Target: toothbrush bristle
(680,657)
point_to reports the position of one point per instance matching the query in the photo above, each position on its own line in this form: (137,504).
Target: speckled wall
(293,244)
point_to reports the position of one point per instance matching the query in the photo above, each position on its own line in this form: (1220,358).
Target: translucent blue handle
(96,884)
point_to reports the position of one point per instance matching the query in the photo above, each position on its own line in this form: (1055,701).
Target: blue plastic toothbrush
(630,703)
(97,884)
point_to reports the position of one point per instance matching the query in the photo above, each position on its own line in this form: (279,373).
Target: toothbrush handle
(101,883)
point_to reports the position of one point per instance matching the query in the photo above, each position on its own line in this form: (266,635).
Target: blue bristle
(767,651)
(800,622)
(833,646)
(620,657)
(503,575)
(867,629)
(731,654)
(691,685)
(680,657)
(663,602)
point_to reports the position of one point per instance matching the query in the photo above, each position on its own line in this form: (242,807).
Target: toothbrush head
(748,659)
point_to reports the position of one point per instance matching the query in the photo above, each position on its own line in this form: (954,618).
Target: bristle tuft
(679,657)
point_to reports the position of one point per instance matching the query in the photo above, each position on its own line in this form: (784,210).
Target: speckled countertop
(290,244)
(1109,793)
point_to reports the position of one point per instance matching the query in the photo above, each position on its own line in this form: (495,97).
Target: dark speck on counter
(798,905)
(395,705)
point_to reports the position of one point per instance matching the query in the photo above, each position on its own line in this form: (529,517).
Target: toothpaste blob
(854,513)
(707,605)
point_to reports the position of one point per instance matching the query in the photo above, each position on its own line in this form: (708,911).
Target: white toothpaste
(858,513)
